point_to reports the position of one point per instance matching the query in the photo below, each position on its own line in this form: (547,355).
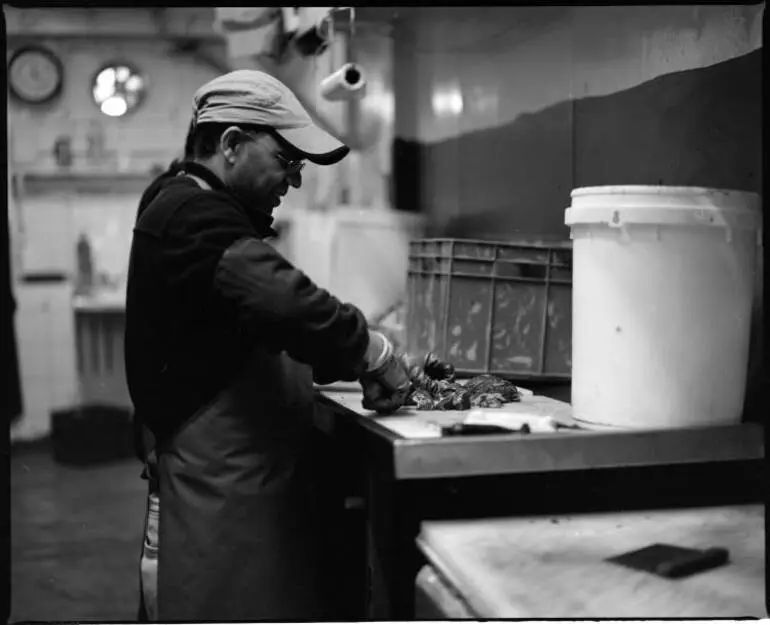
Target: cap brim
(314,144)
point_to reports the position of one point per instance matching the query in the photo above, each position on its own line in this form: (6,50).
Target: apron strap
(199,181)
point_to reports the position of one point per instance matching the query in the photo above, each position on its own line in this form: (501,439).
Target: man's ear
(229,142)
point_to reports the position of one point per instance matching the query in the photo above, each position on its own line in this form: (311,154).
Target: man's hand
(386,382)
(381,399)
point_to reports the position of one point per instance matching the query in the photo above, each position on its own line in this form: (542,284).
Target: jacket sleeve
(215,259)
(313,326)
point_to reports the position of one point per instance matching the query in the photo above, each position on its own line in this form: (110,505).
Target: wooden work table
(554,566)
(408,475)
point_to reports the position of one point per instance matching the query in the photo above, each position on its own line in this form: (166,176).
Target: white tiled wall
(46,241)
(108,221)
(51,225)
(46,339)
(47,234)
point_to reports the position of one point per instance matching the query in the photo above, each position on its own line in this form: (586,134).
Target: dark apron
(246,525)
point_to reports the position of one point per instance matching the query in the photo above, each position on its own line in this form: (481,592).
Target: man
(224,339)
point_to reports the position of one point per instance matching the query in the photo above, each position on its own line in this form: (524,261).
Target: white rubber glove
(386,382)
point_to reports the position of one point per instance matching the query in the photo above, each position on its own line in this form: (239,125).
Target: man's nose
(295,179)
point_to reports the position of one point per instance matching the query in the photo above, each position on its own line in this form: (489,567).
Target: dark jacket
(143,439)
(156,185)
(204,290)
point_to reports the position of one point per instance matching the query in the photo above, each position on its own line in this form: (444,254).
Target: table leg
(392,555)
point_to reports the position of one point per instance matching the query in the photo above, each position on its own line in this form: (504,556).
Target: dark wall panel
(700,127)
(696,128)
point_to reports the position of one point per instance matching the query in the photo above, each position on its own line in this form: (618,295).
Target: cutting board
(411,423)
(553,567)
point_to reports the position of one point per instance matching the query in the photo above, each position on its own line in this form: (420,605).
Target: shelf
(96,183)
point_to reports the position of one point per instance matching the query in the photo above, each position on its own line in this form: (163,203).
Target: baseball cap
(252,97)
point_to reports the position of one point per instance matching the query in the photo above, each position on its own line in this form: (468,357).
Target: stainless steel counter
(418,452)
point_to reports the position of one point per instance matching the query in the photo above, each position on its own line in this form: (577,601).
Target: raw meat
(434,388)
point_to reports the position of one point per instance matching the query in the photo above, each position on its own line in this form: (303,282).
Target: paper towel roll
(346,83)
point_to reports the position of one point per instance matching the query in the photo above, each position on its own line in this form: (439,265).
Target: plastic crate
(501,308)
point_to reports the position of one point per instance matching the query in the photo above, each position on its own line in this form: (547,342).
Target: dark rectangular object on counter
(479,429)
(671,561)
(91,434)
(501,308)
(44,277)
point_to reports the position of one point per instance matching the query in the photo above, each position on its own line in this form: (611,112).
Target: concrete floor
(75,539)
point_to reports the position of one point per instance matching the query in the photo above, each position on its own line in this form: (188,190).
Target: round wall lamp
(118,89)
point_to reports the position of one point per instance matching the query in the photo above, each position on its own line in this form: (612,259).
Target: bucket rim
(632,189)
(616,217)
(523,242)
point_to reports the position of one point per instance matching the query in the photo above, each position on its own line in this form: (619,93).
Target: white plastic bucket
(662,287)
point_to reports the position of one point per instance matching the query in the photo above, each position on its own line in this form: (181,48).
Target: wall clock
(35,74)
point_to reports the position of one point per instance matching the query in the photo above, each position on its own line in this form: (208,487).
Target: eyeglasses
(290,167)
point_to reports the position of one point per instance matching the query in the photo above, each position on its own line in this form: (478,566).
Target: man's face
(261,172)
